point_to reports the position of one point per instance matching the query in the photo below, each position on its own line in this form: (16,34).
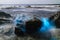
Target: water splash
(47,25)
(21,19)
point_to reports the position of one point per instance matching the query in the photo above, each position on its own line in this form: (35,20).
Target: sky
(29,1)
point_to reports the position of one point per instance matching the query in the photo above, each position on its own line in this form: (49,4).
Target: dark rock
(3,14)
(56,19)
(2,21)
(19,32)
(31,28)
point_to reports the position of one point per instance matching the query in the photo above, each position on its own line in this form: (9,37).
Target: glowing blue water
(19,20)
(46,25)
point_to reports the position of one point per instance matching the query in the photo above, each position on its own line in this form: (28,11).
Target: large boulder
(27,26)
(32,26)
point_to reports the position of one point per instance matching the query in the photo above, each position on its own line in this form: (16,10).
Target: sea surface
(7,30)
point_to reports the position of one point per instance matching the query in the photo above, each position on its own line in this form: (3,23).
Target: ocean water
(7,30)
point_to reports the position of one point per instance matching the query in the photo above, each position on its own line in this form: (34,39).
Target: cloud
(29,1)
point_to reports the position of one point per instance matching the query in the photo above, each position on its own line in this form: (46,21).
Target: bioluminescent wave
(19,21)
(46,25)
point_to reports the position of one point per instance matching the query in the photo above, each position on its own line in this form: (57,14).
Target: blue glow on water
(19,20)
(46,25)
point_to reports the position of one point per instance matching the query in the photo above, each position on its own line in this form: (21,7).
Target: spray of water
(47,25)
(21,19)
